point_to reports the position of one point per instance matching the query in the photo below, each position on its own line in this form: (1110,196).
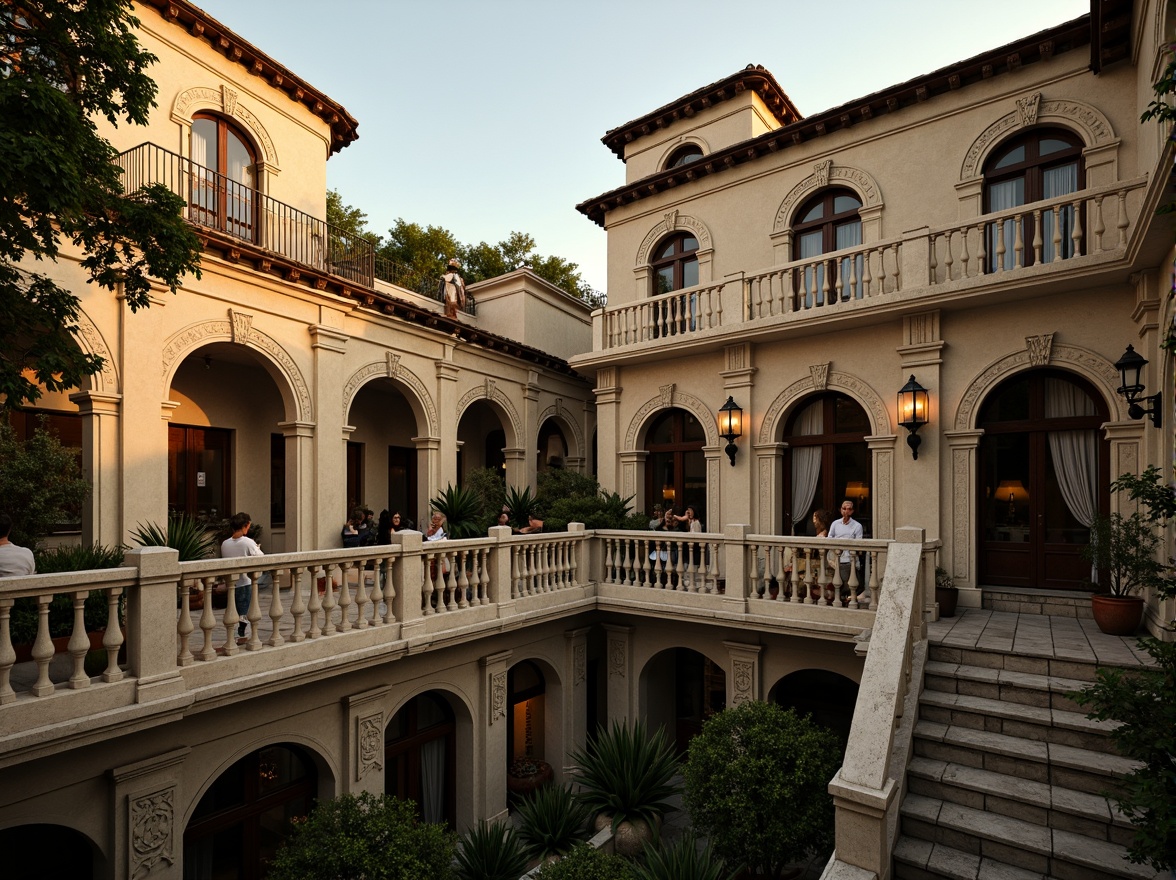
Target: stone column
(959,528)
(447,375)
(328,344)
(519,462)
(363,742)
(743,681)
(101,465)
(608,404)
(622,689)
(1127,454)
(769,510)
(301,491)
(575,701)
(428,475)
(738,484)
(632,476)
(142,465)
(147,809)
(530,427)
(492,803)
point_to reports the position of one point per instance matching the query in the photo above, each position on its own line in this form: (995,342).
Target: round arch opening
(420,756)
(828,697)
(45,850)
(680,689)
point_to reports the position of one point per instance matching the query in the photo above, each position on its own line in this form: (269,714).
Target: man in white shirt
(14,559)
(238,546)
(848,527)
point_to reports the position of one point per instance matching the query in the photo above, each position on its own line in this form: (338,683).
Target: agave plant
(522,504)
(184,533)
(462,510)
(681,860)
(551,821)
(490,852)
(625,773)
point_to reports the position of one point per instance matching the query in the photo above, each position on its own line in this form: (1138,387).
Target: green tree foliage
(350,220)
(757,781)
(61,65)
(365,837)
(40,483)
(565,496)
(422,251)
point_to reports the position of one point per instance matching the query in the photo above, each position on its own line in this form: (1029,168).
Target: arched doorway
(526,695)
(46,851)
(481,440)
(382,459)
(826,462)
(1043,479)
(420,756)
(681,688)
(675,472)
(827,696)
(246,813)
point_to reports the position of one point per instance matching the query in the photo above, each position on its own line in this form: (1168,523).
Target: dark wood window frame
(415,737)
(223,219)
(673,252)
(678,447)
(684,155)
(827,224)
(829,486)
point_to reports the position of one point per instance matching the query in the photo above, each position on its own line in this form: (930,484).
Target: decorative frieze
(152,829)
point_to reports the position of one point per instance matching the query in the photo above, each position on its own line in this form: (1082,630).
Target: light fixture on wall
(912,412)
(857,491)
(731,426)
(1129,367)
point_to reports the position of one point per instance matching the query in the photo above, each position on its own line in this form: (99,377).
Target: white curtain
(806,460)
(433,781)
(1074,453)
(852,268)
(1058,182)
(1001,197)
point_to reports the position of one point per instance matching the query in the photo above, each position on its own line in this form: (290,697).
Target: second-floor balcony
(236,210)
(1038,242)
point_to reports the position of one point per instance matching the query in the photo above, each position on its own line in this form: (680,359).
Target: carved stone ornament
(579,664)
(742,678)
(490,384)
(242,326)
(491,391)
(820,374)
(671,218)
(228,101)
(1028,108)
(559,406)
(682,400)
(370,754)
(821,172)
(616,658)
(1039,349)
(152,827)
(393,362)
(666,393)
(497,697)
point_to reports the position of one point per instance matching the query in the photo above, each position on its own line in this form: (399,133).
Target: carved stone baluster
(516,572)
(484,575)
(788,283)
(1000,245)
(185,627)
(964,259)
(982,252)
(297,602)
(463,580)
(389,591)
(79,643)
(361,597)
(1076,231)
(897,267)
(643,580)
(449,590)
(207,621)
(1099,227)
(253,615)
(345,601)
(329,601)
(1018,244)
(231,618)
(867,280)
(933,261)
(854,583)
(7,653)
(874,581)
(276,609)
(319,574)
(948,260)
(1057,214)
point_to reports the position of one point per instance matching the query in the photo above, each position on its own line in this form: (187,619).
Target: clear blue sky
(485,116)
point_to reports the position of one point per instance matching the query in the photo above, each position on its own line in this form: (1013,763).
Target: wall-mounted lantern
(731,426)
(912,412)
(1129,367)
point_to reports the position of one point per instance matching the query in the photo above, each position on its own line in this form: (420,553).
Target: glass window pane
(204,143)
(1009,404)
(662,430)
(811,244)
(666,250)
(1060,181)
(689,243)
(664,279)
(1013,157)
(816,212)
(849,417)
(1051,145)
(691,429)
(689,273)
(1006,194)
(847,234)
(845,203)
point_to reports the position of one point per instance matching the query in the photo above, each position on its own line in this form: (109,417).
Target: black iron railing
(410,279)
(217,202)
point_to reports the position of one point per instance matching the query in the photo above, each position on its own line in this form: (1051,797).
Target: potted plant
(946,592)
(526,775)
(1123,549)
(624,776)
(757,780)
(191,537)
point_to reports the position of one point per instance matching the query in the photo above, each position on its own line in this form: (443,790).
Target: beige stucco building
(989,229)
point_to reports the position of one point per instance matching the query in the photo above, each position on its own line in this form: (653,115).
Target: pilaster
(495,711)
(147,809)
(769,464)
(736,495)
(527,475)
(364,721)
(575,702)
(301,491)
(608,404)
(143,477)
(447,375)
(328,345)
(744,682)
(622,690)
(101,522)
(960,527)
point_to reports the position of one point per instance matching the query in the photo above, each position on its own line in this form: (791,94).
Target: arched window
(829,221)
(1043,480)
(223,185)
(827,461)
(675,263)
(420,756)
(684,155)
(1041,164)
(675,472)
(244,817)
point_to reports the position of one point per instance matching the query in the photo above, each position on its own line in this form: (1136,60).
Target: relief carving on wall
(152,826)
(228,100)
(1094,127)
(742,676)
(91,338)
(821,172)
(852,385)
(961,481)
(1039,349)
(1028,108)
(680,399)
(820,376)
(393,362)
(242,323)
(579,664)
(859,180)
(403,376)
(616,658)
(497,696)
(670,221)
(491,391)
(370,740)
(666,394)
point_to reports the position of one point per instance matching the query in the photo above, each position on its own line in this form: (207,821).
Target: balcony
(338,609)
(240,214)
(1040,242)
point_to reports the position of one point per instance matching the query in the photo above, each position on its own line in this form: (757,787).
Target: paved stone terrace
(1037,636)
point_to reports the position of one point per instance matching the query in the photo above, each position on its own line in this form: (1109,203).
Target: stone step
(1046,691)
(1050,763)
(1039,850)
(1079,670)
(1017,719)
(923,860)
(1038,802)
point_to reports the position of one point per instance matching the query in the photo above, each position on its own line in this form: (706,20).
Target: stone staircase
(1007,774)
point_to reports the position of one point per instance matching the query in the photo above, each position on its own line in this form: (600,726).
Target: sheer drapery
(1074,453)
(433,781)
(1059,181)
(806,460)
(811,244)
(1001,197)
(852,268)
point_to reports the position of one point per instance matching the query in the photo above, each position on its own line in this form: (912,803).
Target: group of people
(363,530)
(844,528)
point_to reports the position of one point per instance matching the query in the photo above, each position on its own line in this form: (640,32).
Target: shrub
(1125,548)
(366,836)
(489,488)
(185,534)
(551,821)
(23,622)
(79,557)
(625,772)
(681,860)
(585,863)
(757,781)
(522,506)
(41,483)
(490,852)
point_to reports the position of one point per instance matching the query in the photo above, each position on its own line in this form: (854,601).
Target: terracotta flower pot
(947,597)
(521,785)
(1117,615)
